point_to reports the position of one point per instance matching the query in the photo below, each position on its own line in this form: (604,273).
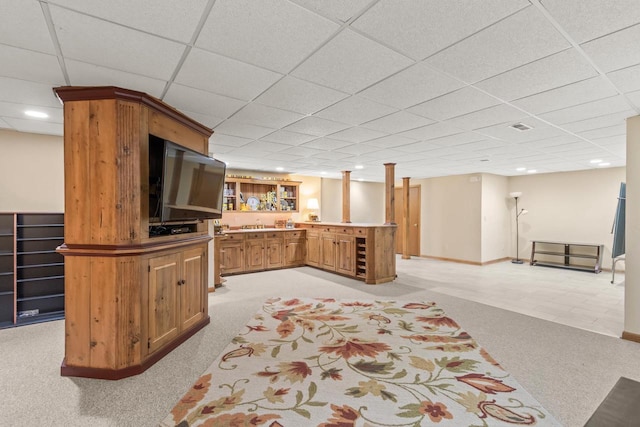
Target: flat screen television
(184,185)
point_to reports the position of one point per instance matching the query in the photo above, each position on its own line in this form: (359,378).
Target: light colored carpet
(328,362)
(569,371)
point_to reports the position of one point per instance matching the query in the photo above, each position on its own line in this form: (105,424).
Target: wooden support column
(405,217)
(389,187)
(346,196)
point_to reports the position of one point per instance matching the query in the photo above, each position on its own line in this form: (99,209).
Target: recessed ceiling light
(361,179)
(359,167)
(36,114)
(532,171)
(596,161)
(279,168)
(521,169)
(604,164)
(520,127)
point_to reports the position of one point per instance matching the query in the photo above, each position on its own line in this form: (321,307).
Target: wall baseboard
(630,336)
(463,261)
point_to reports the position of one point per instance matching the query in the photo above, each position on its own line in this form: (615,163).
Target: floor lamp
(516,195)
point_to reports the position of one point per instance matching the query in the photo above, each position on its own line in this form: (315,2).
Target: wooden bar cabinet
(130,297)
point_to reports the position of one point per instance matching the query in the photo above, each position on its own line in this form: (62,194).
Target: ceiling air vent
(520,127)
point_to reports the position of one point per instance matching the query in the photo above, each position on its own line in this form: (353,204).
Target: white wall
(569,206)
(367,201)
(31,172)
(495,222)
(451,212)
(632,229)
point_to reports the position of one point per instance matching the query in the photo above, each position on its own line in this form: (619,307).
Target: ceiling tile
(542,144)
(600,122)
(504,131)
(259,149)
(167,18)
(35,126)
(483,54)
(22,24)
(390,141)
(635,98)
(431,131)
(245,130)
(489,116)
(362,63)
(331,155)
(588,19)
(626,79)
(557,70)
(615,51)
(224,76)
(458,139)
(289,138)
(355,110)
(397,122)
(587,110)
(335,9)
(453,104)
(9,109)
(276,35)
(302,151)
(481,145)
(208,120)
(125,49)
(300,96)
(218,139)
(326,144)
(29,93)
(411,86)
(357,134)
(421,28)
(316,126)
(261,115)
(567,96)
(619,129)
(83,74)
(29,65)
(358,149)
(199,101)
(610,140)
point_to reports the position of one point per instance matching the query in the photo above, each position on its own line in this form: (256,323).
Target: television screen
(192,185)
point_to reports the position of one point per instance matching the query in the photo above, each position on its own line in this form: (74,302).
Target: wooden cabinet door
(328,250)
(275,253)
(255,255)
(192,288)
(231,257)
(345,254)
(313,254)
(294,252)
(164,325)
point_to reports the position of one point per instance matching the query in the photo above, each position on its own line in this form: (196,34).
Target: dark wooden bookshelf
(31,271)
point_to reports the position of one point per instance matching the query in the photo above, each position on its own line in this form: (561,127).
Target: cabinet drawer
(273,234)
(294,234)
(233,237)
(360,231)
(252,236)
(343,230)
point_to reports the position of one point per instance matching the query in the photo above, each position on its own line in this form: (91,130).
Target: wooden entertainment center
(130,297)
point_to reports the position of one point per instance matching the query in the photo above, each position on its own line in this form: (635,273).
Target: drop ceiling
(318,87)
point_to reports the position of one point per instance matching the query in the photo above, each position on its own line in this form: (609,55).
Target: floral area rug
(337,363)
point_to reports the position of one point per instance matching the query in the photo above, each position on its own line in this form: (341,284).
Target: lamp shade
(515,194)
(313,204)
